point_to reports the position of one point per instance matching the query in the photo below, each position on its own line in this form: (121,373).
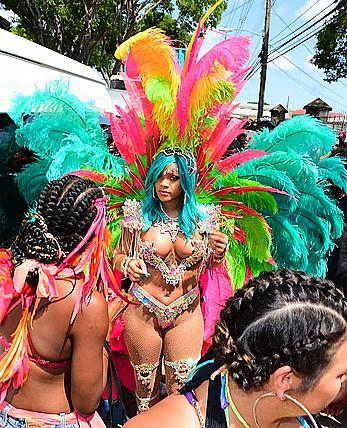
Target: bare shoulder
(172,412)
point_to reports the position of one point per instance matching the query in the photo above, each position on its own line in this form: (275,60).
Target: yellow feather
(201,22)
(157,63)
(154,55)
(11,357)
(123,50)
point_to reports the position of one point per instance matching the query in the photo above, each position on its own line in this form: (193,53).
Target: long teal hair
(190,213)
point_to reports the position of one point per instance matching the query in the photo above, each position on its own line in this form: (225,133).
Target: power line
(244,19)
(232,12)
(294,46)
(307,29)
(274,49)
(284,22)
(313,78)
(306,87)
(291,23)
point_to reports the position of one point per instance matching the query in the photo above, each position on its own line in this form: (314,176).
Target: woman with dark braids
(278,355)
(53,312)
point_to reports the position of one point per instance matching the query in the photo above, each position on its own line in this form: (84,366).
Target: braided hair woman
(278,355)
(53,311)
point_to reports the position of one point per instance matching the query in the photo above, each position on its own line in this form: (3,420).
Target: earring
(288,397)
(154,195)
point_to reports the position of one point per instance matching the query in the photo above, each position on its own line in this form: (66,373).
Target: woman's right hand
(136,270)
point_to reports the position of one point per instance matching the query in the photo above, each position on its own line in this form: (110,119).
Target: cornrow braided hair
(280,318)
(64,213)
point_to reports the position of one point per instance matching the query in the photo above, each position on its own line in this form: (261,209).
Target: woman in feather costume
(196,210)
(169,239)
(55,280)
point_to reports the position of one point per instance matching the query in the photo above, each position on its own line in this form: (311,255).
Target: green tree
(331,48)
(90,30)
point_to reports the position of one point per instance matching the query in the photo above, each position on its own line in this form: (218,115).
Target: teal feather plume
(334,170)
(64,132)
(306,225)
(291,249)
(8,146)
(302,134)
(79,155)
(32,179)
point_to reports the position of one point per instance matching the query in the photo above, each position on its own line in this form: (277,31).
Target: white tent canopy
(25,65)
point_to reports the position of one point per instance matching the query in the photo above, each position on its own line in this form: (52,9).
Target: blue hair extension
(190,213)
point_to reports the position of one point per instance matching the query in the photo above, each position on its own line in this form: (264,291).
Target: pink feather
(227,136)
(232,53)
(216,289)
(91,175)
(119,134)
(132,68)
(228,164)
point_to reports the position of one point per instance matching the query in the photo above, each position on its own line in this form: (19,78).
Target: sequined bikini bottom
(165,314)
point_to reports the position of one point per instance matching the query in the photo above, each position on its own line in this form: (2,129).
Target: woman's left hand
(219,241)
(116,305)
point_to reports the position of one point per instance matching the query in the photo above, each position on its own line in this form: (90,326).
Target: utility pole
(263,60)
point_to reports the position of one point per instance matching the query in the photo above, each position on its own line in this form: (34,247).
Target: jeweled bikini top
(173,273)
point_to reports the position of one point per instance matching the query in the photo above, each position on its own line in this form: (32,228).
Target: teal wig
(190,213)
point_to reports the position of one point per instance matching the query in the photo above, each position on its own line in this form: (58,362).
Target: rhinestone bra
(173,274)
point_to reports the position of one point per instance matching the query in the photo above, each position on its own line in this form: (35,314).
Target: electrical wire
(307,29)
(291,23)
(312,91)
(288,27)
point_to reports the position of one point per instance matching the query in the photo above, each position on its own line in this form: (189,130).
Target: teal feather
(333,169)
(306,225)
(32,179)
(8,146)
(78,155)
(302,134)
(63,131)
(289,249)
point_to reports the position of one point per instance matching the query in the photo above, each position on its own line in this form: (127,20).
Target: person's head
(342,138)
(285,331)
(64,213)
(172,179)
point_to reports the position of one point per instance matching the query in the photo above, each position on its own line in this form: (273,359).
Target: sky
(285,75)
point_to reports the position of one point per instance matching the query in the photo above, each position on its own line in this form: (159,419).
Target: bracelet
(126,264)
(218,259)
(115,261)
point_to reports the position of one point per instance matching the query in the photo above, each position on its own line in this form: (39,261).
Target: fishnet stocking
(183,341)
(144,342)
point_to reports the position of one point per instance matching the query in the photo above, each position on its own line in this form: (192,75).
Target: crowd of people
(201,262)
